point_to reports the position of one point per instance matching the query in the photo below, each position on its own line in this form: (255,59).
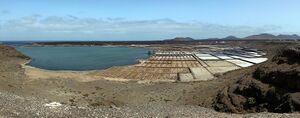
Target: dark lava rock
(273,86)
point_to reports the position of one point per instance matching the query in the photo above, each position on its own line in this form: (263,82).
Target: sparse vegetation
(251,101)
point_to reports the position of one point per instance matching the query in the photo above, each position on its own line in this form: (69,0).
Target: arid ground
(24,92)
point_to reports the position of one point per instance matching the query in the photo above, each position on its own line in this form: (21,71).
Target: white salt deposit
(223,56)
(203,55)
(255,60)
(206,57)
(240,63)
(252,60)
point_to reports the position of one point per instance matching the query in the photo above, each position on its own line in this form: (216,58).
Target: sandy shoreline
(24,65)
(83,76)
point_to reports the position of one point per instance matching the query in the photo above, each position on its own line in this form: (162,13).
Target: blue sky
(144,19)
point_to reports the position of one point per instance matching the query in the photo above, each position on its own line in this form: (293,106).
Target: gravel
(28,107)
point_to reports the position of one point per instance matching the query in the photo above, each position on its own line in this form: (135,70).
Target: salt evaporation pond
(82,57)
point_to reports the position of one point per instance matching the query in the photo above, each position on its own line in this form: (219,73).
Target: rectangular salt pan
(206,57)
(223,56)
(240,63)
(252,60)
(255,60)
(203,55)
(201,74)
(244,54)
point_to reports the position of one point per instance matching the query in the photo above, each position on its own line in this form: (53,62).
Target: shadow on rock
(273,87)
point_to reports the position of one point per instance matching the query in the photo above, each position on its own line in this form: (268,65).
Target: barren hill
(273,37)
(181,39)
(273,86)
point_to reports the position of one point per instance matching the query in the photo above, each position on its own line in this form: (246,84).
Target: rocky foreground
(273,86)
(16,106)
(21,96)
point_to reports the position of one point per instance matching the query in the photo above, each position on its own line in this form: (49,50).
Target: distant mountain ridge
(271,36)
(181,39)
(230,37)
(263,36)
(294,36)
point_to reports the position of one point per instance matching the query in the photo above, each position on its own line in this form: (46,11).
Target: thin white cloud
(70,27)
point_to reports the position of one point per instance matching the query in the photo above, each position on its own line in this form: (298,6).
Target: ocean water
(82,57)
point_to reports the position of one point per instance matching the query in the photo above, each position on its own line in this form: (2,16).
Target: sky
(111,20)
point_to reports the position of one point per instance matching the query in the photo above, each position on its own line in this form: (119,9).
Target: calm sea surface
(82,57)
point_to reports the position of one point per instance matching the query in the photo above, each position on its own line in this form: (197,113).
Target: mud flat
(36,73)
